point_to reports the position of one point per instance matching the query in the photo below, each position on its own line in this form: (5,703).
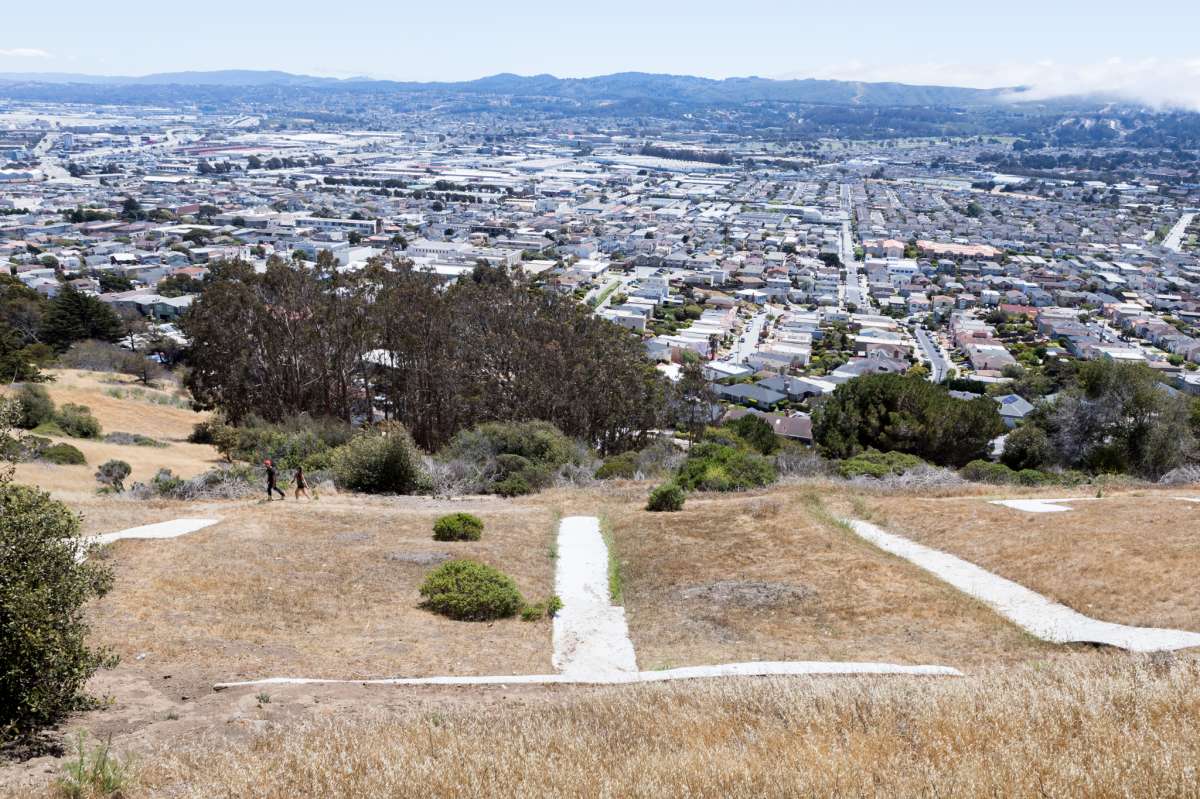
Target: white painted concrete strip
(1040,505)
(1188,499)
(591,637)
(754,669)
(1047,620)
(171,529)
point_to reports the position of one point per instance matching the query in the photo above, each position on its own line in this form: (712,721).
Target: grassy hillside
(329,588)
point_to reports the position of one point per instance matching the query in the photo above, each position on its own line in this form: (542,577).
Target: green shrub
(35,405)
(877,464)
(44,585)
(1032,477)
(980,471)
(470,591)
(113,473)
(1027,447)
(458,527)
(666,498)
(512,486)
(384,461)
(618,467)
(541,610)
(77,421)
(303,442)
(62,455)
(716,467)
(758,434)
(511,458)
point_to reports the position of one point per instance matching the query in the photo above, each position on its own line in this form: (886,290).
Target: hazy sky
(1144,46)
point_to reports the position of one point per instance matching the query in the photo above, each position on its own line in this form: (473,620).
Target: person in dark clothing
(271,486)
(300,483)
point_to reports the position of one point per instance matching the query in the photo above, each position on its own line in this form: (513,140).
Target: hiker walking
(271,486)
(301,483)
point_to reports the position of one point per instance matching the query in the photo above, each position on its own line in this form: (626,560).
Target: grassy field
(321,589)
(129,413)
(1094,727)
(773,577)
(1132,558)
(328,588)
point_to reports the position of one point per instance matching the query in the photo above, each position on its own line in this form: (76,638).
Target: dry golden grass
(167,424)
(1099,727)
(772,577)
(319,589)
(1132,558)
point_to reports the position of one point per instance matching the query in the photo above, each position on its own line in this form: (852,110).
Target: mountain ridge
(616,86)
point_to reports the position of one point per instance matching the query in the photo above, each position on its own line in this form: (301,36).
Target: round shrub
(458,527)
(512,486)
(77,421)
(380,462)
(470,591)
(981,471)
(35,405)
(667,497)
(1027,447)
(62,455)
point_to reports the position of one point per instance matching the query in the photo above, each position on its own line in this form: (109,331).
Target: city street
(939,365)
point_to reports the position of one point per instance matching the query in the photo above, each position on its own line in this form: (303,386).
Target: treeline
(326,343)
(686,154)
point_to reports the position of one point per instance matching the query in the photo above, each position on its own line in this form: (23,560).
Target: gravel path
(1047,620)
(752,669)
(591,638)
(171,529)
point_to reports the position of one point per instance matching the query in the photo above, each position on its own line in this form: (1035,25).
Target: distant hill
(623,86)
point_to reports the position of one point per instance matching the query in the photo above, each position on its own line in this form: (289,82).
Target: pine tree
(73,316)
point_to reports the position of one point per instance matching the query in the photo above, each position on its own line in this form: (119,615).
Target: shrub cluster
(380,461)
(232,482)
(510,458)
(61,455)
(981,471)
(712,466)
(77,421)
(666,498)
(873,463)
(300,442)
(659,458)
(458,527)
(36,407)
(470,591)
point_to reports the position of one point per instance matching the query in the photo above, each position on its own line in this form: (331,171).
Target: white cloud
(23,52)
(1160,83)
